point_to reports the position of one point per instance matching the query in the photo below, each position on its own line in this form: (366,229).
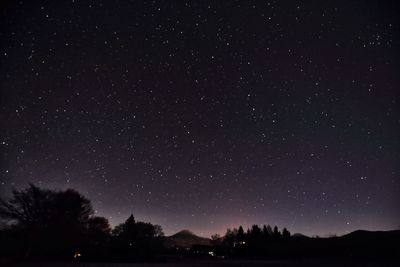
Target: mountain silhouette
(372,237)
(185,239)
(364,234)
(300,237)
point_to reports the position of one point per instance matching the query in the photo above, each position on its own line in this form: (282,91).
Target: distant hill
(299,236)
(358,235)
(185,239)
(363,235)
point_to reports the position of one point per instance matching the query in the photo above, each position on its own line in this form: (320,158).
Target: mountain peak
(184,232)
(185,239)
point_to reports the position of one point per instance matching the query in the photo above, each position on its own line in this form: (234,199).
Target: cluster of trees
(133,240)
(254,241)
(38,223)
(254,235)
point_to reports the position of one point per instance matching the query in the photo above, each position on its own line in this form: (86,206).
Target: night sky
(206,115)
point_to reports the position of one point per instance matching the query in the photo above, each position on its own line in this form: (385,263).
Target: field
(218,263)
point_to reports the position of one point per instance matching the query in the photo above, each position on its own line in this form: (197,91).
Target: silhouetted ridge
(364,234)
(300,236)
(185,239)
(184,233)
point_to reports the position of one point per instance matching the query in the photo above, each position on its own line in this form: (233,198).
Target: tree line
(256,241)
(38,223)
(253,235)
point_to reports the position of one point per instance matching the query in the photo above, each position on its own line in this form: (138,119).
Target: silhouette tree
(50,222)
(255,231)
(158,231)
(248,232)
(145,231)
(27,209)
(215,237)
(276,234)
(240,235)
(216,240)
(69,217)
(127,229)
(255,239)
(285,234)
(99,230)
(142,238)
(40,208)
(267,233)
(267,230)
(230,237)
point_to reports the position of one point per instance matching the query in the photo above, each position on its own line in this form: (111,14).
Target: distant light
(77,255)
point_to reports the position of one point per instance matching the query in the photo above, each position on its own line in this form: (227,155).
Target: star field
(206,115)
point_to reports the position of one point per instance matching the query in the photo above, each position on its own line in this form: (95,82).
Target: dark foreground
(222,263)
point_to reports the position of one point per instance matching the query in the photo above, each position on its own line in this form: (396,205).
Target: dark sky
(206,115)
